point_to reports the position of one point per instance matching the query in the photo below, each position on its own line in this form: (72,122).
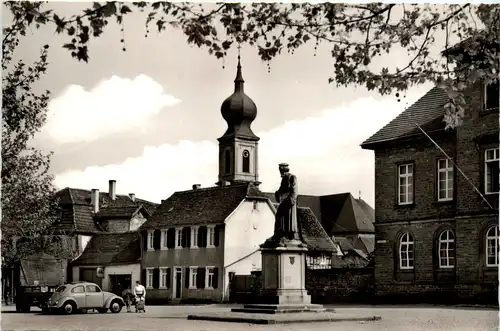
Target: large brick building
(436,236)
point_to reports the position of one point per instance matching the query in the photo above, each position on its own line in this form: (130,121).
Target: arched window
(246,161)
(406,251)
(447,249)
(227,161)
(492,246)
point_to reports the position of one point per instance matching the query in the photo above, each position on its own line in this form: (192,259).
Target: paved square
(174,318)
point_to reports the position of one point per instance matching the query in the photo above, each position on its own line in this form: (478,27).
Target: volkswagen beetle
(81,296)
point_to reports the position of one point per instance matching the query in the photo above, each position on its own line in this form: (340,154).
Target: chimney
(163,200)
(112,189)
(196,186)
(132,196)
(94,198)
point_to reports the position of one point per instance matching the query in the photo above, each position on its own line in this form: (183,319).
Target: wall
(127,269)
(246,229)
(116,225)
(137,221)
(82,242)
(324,285)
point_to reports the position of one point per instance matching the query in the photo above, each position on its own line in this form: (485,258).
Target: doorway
(177,283)
(119,283)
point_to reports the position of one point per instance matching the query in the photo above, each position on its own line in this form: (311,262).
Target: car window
(60,289)
(78,289)
(93,289)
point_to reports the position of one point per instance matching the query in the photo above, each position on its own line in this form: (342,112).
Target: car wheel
(102,310)
(68,308)
(115,307)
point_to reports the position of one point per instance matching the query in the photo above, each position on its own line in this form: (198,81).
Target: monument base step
(259,318)
(279,309)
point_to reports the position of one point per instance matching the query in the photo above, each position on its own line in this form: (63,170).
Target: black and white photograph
(203,166)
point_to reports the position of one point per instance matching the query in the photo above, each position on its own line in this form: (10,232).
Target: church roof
(201,206)
(338,213)
(111,248)
(428,112)
(239,110)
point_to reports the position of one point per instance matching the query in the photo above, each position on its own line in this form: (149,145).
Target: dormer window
(491,96)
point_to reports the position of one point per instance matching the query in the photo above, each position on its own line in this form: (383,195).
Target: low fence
(324,285)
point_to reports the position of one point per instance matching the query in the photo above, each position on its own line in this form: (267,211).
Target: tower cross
(239,50)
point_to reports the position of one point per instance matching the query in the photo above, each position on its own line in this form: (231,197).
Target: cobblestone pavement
(173,318)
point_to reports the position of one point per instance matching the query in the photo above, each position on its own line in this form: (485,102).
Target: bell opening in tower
(246,161)
(227,161)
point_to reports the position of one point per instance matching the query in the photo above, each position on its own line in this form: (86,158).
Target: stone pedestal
(283,281)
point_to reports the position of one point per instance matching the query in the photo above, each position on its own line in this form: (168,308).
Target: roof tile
(429,108)
(111,248)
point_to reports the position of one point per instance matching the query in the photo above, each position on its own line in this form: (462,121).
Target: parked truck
(39,276)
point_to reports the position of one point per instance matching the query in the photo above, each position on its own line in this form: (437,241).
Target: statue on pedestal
(285,226)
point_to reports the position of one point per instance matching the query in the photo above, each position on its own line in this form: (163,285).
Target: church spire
(238,81)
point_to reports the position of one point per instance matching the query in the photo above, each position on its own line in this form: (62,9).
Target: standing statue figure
(285,226)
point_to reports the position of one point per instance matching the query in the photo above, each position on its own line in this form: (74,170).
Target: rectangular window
(209,281)
(163,277)
(178,238)
(149,277)
(491,170)
(193,276)
(151,237)
(405,177)
(491,96)
(445,180)
(164,239)
(210,237)
(194,237)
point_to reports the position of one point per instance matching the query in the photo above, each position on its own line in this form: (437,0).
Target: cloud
(114,105)
(322,151)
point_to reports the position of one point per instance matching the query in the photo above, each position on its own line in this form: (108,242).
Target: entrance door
(177,283)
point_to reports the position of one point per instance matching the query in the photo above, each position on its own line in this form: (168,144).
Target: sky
(149,117)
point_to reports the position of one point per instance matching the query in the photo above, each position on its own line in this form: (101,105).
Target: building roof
(201,206)
(312,233)
(77,211)
(427,112)
(111,248)
(338,213)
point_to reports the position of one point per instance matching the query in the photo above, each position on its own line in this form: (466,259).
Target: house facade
(111,260)
(436,208)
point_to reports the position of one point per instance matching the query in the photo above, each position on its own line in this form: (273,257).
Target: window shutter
(143,277)
(187,231)
(202,236)
(171,238)
(145,240)
(156,277)
(186,279)
(216,235)
(169,275)
(157,239)
(216,277)
(201,277)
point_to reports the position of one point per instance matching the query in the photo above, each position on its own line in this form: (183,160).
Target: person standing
(140,292)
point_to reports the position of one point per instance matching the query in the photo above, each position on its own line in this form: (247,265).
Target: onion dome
(239,110)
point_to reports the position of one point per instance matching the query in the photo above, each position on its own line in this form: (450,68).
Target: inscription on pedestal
(292,271)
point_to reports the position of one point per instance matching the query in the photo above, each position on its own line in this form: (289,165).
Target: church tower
(238,147)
